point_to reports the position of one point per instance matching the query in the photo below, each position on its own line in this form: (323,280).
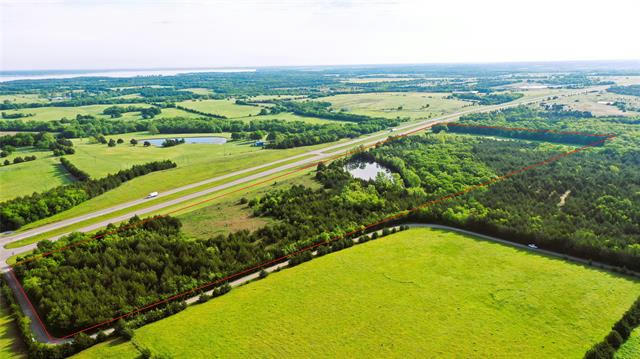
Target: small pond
(367,170)
(207,140)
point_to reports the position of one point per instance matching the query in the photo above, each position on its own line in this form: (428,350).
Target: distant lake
(367,170)
(207,140)
(65,74)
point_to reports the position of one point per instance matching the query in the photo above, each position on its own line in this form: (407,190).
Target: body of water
(44,75)
(206,140)
(367,170)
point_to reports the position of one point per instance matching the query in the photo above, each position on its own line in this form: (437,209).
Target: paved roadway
(318,155)
(41,335)
(40,332)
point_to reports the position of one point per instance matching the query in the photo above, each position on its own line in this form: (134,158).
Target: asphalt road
(40,332)
(318,155)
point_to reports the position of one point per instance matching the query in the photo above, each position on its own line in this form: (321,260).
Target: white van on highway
(152,194)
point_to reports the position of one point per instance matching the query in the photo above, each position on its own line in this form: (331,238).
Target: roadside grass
(24,178)
(418,293)
(226,108)
(227,214)
(11,346)
(151,202)
(631,348)
(51,113)
(394,104)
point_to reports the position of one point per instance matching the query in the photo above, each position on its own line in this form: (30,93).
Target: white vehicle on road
(152,194)
(532,246)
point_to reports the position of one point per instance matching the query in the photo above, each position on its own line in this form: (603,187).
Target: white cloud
(144,33)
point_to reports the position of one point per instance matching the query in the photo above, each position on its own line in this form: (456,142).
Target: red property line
(267,263)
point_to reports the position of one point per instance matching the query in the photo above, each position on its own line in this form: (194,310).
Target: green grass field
(292,117)
(196,162)
(11,345)
(227,215)
(226,108)
(386,104)
(33,176)
(56,113)
(23,98)
(418,293)
(631,348)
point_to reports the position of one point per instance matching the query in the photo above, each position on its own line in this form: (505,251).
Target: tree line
(26,209)
(489,99)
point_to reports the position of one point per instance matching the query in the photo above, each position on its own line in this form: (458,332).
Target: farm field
(601,103)
(394,104)
(418,293)
(32,176)
(56,113)
(226,108)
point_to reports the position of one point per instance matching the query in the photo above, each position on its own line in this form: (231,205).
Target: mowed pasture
(287,116)
(23,98)
(226,108)
(601,103)
(416,105)
(33,176)
(196,162)
(51,113)
(418,293)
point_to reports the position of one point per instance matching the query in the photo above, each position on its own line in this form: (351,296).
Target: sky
(118,34)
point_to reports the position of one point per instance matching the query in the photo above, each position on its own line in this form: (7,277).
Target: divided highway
(318,155)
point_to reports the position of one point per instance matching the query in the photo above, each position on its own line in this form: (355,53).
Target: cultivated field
(419,293)
(393,104)
(226,108)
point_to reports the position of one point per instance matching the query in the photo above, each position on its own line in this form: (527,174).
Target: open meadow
(418,293)
(415,105)
(51,113)
(226,108)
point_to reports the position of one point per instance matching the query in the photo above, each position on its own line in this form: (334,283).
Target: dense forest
(584,205)
(633,90)
(23,210)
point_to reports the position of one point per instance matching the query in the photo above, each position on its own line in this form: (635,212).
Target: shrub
(263,274)
(614,339)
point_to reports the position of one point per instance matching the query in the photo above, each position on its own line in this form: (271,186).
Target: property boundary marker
(602,140)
